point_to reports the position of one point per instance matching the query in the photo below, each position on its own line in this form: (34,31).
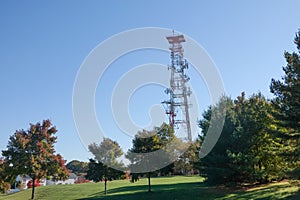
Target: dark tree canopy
(97,171)
(186,162)
(248,149)
(287,91)
(149,141)
(77,167)
(287,104)
(260,140)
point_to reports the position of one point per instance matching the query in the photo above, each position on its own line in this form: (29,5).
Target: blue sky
(43,44)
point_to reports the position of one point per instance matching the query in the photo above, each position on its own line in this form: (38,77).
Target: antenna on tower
(178,91)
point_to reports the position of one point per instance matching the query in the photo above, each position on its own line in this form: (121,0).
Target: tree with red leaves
(32,153)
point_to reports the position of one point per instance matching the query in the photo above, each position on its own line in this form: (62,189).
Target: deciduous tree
(149,141)
(108,167)
(32,153)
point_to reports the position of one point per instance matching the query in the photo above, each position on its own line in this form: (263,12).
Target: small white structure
(44,182)
(11,191)
(71,180)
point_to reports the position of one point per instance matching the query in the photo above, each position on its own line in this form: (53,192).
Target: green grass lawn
(178,187)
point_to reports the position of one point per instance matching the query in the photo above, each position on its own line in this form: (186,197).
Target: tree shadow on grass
(182,191)
(163,191)
(265,193)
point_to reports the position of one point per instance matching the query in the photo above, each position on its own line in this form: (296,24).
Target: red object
(36,183)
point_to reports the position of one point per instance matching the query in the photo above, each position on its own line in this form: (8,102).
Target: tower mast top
(175,42)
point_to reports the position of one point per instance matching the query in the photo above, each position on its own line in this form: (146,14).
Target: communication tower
(178,91)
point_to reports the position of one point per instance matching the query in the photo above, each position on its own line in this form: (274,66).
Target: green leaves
(77,167)
(287,105)
(287,92)
(106,153)
(247,149)
(260,140)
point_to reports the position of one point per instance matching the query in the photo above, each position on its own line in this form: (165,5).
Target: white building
(44,182)
(71,180)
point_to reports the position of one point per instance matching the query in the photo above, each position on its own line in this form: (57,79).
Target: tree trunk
(105,182)
(149,184)
(33,187)
(105,178)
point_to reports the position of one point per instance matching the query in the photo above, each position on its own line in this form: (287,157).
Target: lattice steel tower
(178,91)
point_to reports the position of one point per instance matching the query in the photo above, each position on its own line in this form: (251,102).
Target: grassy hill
(178,187)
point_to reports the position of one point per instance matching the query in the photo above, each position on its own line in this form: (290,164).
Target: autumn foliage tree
(32,152)
(5,180)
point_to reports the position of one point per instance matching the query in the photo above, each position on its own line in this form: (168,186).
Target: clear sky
(43,44)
